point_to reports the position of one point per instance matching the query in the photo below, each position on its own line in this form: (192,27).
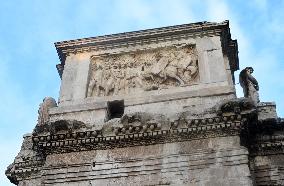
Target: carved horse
(165,68)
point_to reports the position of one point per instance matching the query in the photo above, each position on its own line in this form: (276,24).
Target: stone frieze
(155,69)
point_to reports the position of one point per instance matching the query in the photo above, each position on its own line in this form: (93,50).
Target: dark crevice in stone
(115,109)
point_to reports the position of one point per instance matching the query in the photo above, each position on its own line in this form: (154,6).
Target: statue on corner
(43,114)
(249,84)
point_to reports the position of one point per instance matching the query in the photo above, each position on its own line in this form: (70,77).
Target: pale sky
(28,30)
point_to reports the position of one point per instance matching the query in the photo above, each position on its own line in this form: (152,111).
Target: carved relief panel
(161,68)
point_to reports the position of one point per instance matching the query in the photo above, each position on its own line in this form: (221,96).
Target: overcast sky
(28,30)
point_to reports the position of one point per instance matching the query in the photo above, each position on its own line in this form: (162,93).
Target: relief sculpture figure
(96,82)
(187,66)
(249,84)
(165,69)
(132,78)
(115,82)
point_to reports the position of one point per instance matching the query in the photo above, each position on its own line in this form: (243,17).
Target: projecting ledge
(101,103)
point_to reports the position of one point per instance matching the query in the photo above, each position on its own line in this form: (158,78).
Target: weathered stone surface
(94,112)
(184,163)
(267,111)
(152,107)
(27,164)
(268,170)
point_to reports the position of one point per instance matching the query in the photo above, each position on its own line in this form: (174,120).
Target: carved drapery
(148,70)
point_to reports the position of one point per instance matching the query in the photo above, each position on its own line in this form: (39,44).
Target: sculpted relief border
(144,68)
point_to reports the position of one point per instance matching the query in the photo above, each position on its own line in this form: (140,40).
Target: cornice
(147,134)
(146,37)
(267,136)
(265,148)
(136,35)
(230,118)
